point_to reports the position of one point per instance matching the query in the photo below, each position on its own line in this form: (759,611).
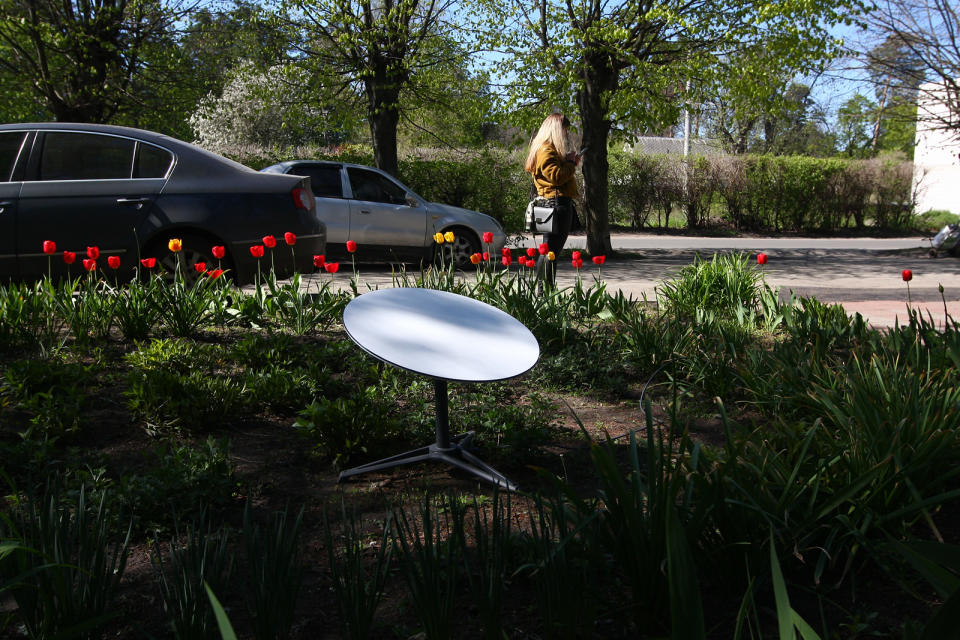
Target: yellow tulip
(175,244)
(448,236)
(438,238)
(551,256)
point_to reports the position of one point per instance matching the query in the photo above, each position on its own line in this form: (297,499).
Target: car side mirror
(411,201)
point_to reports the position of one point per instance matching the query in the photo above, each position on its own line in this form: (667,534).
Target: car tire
(465,244)
(196,248)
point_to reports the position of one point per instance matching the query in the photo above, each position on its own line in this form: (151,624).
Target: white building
(936,166)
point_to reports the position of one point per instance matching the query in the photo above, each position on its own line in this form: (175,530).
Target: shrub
(719,286)
(343,427)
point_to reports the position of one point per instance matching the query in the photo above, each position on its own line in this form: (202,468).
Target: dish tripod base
(445,449)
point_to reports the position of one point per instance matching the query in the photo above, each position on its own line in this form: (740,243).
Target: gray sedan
(129,191)
(386,219)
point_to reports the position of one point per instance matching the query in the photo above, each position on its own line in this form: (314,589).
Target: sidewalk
(835,270)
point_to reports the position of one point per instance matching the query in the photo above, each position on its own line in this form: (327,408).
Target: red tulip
(319,260)
(332,267)
(531,263)
(487,237)
(200,266)
(49,247)
(218,252)
(89,264)
(505,252)
(543,248)
(761,258)
(269,241)
(216,273)
(93,252)
(575,255)
(290,238)
(149,263)
(486,256)
(256,251)
(69,257)
(522,261)
(577,263)
(114,262)
(531,252)
(598,260)
(351,246)
(506,260)
(907,275)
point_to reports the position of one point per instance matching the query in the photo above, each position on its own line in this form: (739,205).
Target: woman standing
(553,164)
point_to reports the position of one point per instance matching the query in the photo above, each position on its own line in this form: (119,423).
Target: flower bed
(717,461)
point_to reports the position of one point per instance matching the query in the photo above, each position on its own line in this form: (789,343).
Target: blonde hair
(553,130)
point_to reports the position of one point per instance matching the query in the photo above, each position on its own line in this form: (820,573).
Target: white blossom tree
(265,109)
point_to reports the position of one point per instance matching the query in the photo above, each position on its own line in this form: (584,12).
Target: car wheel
(465,244)
(195,249)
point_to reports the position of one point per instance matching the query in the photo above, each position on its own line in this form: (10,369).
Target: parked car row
(128,191)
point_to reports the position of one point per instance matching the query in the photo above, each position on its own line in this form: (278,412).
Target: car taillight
(302,198)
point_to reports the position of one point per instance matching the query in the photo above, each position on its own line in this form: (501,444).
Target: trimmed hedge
(758,193)
(764,193)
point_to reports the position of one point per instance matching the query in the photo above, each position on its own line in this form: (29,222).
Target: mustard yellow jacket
(554,174)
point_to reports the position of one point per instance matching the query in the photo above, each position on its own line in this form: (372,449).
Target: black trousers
(564,213)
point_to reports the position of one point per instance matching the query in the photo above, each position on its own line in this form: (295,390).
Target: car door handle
(139,202)
(367,211)
(4,205)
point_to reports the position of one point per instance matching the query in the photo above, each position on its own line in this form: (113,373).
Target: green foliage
(764,192)
(136,310)
(53,394)
(27,316)
(489,181)
(65,584)
(179,480)
(86,62)
(276,572)
(931,222)
(487,565)
(429,554)
(200,558)
(565,565)
(296,309)
(720,286)
(185,307)
(341,428)
(195,400)
(358,587)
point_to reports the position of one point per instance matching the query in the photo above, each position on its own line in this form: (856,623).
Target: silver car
(387,220)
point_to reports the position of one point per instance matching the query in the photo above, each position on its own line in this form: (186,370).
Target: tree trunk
(383,116)
(594,120)
(383,130)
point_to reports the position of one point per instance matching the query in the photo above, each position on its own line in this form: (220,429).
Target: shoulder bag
(540,216)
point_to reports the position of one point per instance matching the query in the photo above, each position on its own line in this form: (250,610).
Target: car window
(10,143)
(324,181)
(151,161)
(374,187)
(85,156)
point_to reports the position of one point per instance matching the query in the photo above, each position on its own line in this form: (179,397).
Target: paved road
(862,274)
